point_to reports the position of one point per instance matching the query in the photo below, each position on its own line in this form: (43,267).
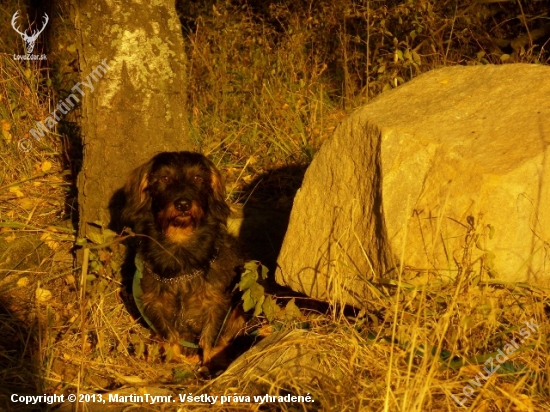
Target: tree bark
(132,66)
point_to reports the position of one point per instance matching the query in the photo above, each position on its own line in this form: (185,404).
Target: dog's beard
(183,221)
(178,226)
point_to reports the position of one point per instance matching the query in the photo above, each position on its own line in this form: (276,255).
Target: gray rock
(283,358)
(449,171)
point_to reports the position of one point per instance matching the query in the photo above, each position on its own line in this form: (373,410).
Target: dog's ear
(137,198)
(217,204)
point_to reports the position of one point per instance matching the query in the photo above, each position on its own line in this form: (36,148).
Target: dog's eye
(197,179)
(164,179)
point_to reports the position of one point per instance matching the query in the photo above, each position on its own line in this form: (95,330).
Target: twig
(450,36)
(18,225)
(83,276)
(111,242)
(525,24)
(24,180)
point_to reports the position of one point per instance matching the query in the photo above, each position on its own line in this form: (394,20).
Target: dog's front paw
(182,354)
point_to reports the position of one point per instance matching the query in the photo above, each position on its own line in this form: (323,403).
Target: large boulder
(448,174)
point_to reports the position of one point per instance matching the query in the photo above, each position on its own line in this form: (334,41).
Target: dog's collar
(182,277)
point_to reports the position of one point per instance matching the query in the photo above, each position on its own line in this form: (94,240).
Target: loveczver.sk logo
(29,40)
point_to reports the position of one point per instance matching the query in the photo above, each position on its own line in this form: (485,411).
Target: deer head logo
(29,40)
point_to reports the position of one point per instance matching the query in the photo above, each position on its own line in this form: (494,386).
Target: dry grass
(269,84)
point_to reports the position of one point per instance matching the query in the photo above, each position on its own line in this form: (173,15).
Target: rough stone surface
(287,358)
(450,171)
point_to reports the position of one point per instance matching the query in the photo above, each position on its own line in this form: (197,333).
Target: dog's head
(180,191)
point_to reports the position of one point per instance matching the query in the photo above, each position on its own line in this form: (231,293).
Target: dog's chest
(184,304)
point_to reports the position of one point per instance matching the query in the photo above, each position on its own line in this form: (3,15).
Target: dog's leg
(160,313)
(213,322)
(215,356)
(234,325)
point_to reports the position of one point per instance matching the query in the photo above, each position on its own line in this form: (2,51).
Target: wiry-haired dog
(190,262)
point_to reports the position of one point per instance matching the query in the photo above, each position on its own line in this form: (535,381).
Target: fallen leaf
(22,282)
(7,136)
(26,203)
(5,125)
(17,191)
(46,165)
(43,295)
(70,279)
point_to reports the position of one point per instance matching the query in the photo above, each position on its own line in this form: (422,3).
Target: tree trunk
(132,66)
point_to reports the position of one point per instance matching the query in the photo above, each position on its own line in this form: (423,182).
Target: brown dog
(190,262)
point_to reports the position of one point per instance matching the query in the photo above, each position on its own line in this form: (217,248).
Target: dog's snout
(182,204)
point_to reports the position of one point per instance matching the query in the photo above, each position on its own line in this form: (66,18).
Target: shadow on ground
(262,221)
(20,326)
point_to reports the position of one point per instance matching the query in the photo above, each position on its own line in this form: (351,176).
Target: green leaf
(251,265)
(292,311)
(181,375)
(264,271)
(108,235)
(270,308)
(153,351)
(258,307)
(399,54)
(256,291)
(248,279)
(169,353)
(248,301)
(140,349)
(94,266)
(115,266)
(188,344)
(102,286)
(95,237)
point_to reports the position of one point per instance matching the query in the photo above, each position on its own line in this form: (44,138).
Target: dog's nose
(183,205)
